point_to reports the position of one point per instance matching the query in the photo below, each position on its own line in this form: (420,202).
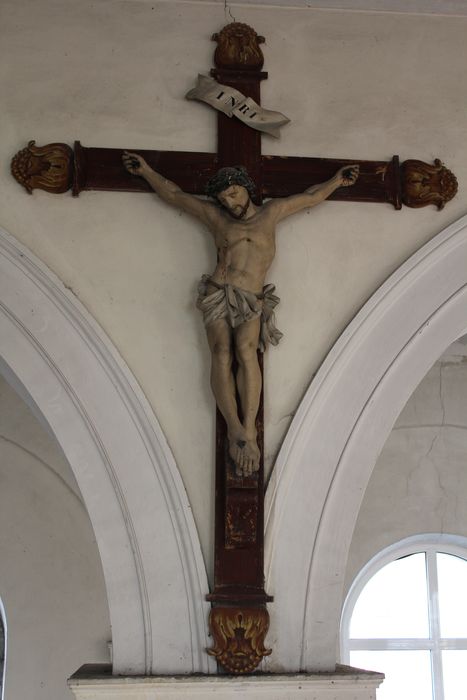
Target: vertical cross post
(239,619)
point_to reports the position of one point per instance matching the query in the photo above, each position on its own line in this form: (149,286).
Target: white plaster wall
(51,581)
(113,73)
(419,484)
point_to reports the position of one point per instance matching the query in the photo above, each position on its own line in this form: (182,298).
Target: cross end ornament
(238,635)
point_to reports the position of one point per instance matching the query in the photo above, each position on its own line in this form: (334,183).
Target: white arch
(153,567)
(341,426)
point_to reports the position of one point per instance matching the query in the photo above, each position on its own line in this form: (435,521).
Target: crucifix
(237,307)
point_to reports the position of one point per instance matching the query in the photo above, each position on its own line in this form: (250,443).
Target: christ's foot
(237,442)
(245,454)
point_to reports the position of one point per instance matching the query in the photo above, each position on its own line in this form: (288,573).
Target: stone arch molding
(327,458)
(60,359)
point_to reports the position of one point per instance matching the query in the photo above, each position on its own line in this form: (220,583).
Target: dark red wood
(237,143)
(378,181)
(238,571)
(239,556)
(275,176)
(101,169)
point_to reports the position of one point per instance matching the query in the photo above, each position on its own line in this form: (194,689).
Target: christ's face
(236,200)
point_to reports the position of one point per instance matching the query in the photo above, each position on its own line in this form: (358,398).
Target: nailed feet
(245,453)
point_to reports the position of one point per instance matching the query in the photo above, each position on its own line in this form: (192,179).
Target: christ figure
(237,306)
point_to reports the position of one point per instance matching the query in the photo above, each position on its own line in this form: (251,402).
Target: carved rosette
(238,48)
(48,167)
(238,635)
(424,184)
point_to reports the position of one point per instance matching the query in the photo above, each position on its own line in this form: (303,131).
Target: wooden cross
(239,619)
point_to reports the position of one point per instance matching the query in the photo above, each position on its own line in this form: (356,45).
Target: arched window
(406,615)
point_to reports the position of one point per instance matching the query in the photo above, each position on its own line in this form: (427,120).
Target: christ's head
(232,188)
(236,200)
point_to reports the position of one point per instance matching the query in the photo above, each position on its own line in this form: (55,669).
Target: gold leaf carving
(424,184)
(239,637)
(238,47)
(46,167)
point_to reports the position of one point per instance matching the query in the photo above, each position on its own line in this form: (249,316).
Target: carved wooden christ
(236,304)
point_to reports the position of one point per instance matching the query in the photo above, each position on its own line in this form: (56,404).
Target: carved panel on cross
(241,518)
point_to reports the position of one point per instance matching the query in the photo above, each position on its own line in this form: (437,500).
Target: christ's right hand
(135,164)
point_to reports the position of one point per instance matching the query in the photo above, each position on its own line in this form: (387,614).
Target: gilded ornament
(46,167)
(239,637)
(424,184)
(238,47)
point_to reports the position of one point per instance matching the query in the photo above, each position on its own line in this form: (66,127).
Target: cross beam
(275,176)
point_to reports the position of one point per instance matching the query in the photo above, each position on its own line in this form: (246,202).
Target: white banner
(232,103)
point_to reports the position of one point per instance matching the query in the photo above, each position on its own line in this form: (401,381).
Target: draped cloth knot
(238,306)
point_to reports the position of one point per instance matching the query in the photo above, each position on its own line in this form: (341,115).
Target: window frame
(431,544)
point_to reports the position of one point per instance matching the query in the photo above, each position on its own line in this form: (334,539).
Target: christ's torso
(245,248)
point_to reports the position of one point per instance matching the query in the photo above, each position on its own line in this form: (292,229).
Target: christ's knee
(246,354)
(221,355)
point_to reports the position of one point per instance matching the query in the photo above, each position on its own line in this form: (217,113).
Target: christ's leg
(223,387)
(249,387)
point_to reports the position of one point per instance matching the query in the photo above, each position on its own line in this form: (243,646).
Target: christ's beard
(241,213)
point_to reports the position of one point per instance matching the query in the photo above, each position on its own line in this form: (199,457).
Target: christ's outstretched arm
(281,208)
(168,190)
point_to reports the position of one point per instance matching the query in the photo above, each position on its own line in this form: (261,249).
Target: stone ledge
(346,683)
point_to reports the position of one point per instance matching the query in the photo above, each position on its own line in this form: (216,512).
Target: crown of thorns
(225,177)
